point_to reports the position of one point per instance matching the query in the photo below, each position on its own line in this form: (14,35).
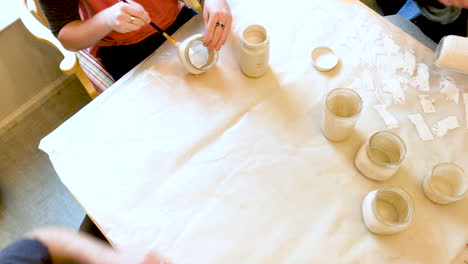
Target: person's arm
(75,34)
(456,3)
(67,246)
(218,21)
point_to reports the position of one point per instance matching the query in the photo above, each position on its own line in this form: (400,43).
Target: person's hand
(218,21)
(153,258)
(456,3)
(126,17)
(136,257)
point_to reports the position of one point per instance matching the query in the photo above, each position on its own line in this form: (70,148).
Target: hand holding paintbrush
(134,20)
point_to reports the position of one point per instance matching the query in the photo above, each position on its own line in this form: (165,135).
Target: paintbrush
(171,39)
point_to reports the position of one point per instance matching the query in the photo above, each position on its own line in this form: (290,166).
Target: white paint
(195,57)
(324,58)
(426,103)
(447,183)
(369,169)
(450,90)
(394,208)
(388,118)
(422,77)
(443,126)
(421,126)
(340,113)
(198,55)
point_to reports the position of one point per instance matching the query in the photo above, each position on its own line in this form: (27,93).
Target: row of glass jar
(390,209)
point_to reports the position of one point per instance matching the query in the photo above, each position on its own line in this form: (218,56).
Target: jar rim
(447,197)
(255,27)
(207,66)
(405,196)
(382,163)
(347,90)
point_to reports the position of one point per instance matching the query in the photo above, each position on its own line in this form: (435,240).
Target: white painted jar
(341,110)
(388,210)
(446,183)
(195,57)
(254,51)
(381,156)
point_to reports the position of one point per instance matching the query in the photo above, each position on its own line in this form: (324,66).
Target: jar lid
(324,59)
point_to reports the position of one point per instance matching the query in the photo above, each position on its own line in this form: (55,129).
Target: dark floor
(31,194)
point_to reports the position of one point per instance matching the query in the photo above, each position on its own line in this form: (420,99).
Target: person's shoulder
(25,251)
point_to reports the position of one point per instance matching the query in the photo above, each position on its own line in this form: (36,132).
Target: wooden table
(221,168)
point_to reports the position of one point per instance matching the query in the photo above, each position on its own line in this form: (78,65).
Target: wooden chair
(87,68)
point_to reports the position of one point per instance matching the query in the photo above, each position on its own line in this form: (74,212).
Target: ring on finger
(132,20)
(221,25)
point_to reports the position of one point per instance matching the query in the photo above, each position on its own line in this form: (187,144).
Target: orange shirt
(162,12)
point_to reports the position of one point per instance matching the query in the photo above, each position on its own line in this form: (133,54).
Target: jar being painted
(194,56)
(446,183)
(254,51)
(388,210)
(381,156)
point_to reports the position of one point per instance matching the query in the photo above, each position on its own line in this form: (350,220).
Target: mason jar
(381,156)
(254,51)
(341,110)
(387,210)
(446,183)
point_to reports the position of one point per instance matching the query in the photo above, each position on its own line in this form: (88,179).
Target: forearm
(67,246)
(78,35)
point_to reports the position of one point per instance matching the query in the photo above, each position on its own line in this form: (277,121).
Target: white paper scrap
(422,77)
(394,87)
(426,103)
(444,125)
(409,62)
(390,46)
(367,81)
(356,84)
(421,126)
(388,118)
(465,100)
(450,90)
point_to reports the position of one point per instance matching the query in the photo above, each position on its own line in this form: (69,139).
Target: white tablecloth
(221,168)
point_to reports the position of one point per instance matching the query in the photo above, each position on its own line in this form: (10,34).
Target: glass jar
(194,56)
(446,183)
(254,52)
(381,156)
(341,110)
(388,210)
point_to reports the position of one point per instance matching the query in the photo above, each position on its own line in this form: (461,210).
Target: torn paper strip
(426,103)
(465,100)
(394,87)
(367,80)
(444,125)
(388,118)
(355,85)
(449,89)
(409,62)
(421,126)
(422,77)
(390,46)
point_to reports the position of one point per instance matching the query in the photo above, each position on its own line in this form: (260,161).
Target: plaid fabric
(95,71)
